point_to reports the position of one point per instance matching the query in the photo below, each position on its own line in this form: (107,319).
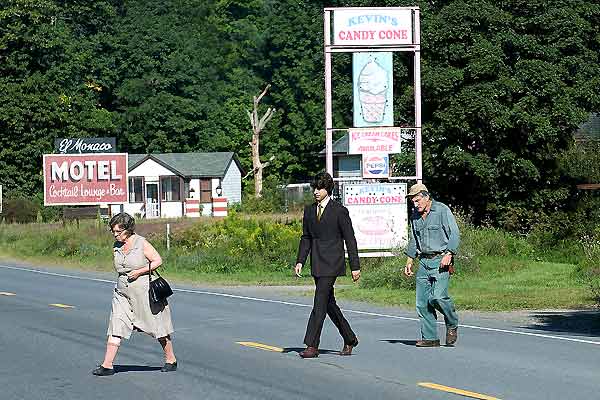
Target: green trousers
(432,296)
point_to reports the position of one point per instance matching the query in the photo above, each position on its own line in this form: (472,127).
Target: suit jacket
(324,240)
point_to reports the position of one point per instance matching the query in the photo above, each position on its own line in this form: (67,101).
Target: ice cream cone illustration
(372,91)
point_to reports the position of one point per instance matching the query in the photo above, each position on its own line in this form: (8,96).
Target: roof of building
(340,146)
(212,165)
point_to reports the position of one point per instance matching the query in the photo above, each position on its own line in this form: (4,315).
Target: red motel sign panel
(84,179)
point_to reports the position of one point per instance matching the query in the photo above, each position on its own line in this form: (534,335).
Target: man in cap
(434,241)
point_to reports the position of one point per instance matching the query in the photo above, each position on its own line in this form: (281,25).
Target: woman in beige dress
(131,308)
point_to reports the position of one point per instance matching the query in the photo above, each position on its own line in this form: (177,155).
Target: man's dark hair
(323,181)
(125,221)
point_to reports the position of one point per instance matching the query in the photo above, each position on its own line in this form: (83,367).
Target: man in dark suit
(326,225)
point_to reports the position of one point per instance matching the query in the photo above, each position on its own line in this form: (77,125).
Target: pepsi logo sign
(375,166)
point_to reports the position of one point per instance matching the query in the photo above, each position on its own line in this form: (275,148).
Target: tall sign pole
(328,94)
(417,79)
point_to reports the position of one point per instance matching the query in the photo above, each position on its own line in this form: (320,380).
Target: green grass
(521,285)
(496,271)
(516,284)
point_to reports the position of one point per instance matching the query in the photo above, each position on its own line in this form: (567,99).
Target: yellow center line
(261,346)
(61,305)
(457,391)
(7,294)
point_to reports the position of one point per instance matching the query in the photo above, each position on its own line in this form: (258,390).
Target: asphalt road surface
(243,343)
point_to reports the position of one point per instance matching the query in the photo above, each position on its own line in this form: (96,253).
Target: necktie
(319,212)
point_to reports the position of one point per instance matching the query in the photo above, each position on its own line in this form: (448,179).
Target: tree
(46,87)
(258,124)
(505,86)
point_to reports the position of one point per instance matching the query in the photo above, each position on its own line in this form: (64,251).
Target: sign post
(372,34)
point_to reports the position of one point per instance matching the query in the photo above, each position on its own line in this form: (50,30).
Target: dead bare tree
(258,125)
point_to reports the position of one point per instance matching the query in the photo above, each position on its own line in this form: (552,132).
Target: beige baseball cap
(416,189)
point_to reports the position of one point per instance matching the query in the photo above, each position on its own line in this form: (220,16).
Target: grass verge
(498,272)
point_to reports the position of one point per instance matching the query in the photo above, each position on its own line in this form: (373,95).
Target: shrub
(556,236)
(517,219)
(54,240)
(589,268)
(386,273)
(466,264)
(272,200)
(488,241)
(47,214)
(20,210)
(582,161)
(240,242)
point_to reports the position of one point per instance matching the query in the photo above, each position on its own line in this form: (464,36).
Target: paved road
(48,350)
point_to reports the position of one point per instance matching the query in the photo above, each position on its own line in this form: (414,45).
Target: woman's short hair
(323,181)
(125,221)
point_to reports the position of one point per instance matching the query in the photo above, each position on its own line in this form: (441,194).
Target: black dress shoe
(168,367)
(101,371)
(347,350)
(309,352)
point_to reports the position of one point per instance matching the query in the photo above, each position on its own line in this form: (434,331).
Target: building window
(170,188)
(205,190)
(349,166)
(136,189)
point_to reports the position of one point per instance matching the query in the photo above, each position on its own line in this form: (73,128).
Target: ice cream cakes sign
(376,166)
(373,89)
(368,27)
(374,140)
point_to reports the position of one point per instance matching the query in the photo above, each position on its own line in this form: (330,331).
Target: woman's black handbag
(159,288)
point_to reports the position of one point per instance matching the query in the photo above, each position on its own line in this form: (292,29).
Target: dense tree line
(505,85)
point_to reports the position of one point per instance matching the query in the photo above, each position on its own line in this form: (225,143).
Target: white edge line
(288,303)
(84,278)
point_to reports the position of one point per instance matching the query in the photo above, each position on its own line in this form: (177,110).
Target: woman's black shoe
(168,367)
(101,371)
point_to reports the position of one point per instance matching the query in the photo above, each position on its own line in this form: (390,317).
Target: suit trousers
(432,295)
(324,304)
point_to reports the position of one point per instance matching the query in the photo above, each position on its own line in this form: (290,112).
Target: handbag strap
(150,271)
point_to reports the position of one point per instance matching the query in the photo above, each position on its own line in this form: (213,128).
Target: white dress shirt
(323,204)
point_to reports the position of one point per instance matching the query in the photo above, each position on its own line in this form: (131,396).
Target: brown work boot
(309,352)
(451,336)
(428,343)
